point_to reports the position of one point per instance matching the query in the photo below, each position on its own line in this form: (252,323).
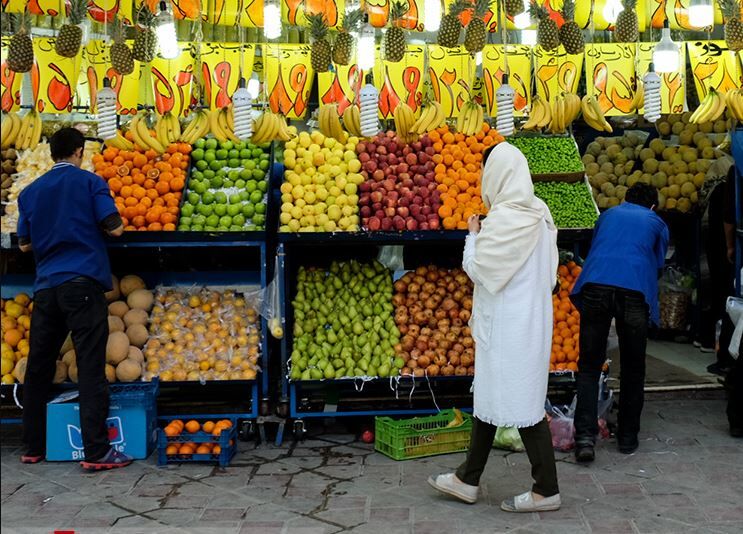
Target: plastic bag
(391,256)
(675,288)
(271,308)
(508,438)
(562,418)
(734,308)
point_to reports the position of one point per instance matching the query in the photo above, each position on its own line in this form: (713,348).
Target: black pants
(80,307)
(538,443)
(601,304)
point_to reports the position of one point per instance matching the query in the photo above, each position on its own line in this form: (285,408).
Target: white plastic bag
(508,438)
(734,308)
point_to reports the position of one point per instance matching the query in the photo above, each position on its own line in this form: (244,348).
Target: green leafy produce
(548,155)
(344,324)
(571,205)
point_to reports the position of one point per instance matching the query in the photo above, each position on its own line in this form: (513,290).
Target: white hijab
(511,230)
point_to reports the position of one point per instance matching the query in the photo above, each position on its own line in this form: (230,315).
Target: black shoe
(628,445)
(736,431)
(584,453)
(718,369)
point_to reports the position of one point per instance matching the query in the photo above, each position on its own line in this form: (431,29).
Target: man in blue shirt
(62,218)
(619,281)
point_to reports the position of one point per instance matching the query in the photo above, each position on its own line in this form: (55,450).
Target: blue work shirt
(60,214)
(629,246)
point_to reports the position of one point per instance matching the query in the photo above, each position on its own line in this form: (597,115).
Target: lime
(234,209)
(200,143)
(259,219)
(215,165)
(202,165)
(234,163)
(187,210)
(228,183)
(232,154)
(245,153)
(193,198)
(263,186)
(211,144)
(258,174)
(260,208)
(222,154)
(240,184)
(227,145)
(197,154)
(251,186)
(238,219)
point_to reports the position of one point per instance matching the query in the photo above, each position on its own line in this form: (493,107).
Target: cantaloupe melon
(115,324)
(118,308)
(72,373)
(19,372)
(110,373)
(69,358)
(67,346)
(135,354)
(128,370)
(141,299)
(60,375)
(137,334)
(135,316)
(115,293)
(117,347)
(129,283)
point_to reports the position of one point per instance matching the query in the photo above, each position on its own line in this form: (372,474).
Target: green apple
(251,186)
(256,197)
(209,174)
(212,220)
(199,189)
(211,144)
(260,208)
(207,197)
(197,228)
(197,154)
(200,143)
(185,220)
(225,221)
(227,145)
(240,183)
(248,210)
(222,154)
(234,163)
(193,198)
(263,186)
(216,182)
(228,184)
(259,219)
(198,219)
(220,209)
(234,199)
(183,228)
(234,209)
(205,209)
(187,210)
(238,219)
(202,165)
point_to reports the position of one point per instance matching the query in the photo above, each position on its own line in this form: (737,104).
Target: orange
(192,426)
(186,449)
(208,427)
(177,423)
(171,430)
(204,449)
(171,450)
(216,450)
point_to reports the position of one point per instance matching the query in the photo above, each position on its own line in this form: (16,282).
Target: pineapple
(145,41)
(71,34)
(121,55)
(21,48)
(474,35)
(548,35)
(394,38)
(733,26)
(451,26)
(320,52)
(514,7)
(571,35)
(344,43)
(626,28)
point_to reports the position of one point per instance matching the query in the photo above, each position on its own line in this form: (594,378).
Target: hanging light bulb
(254,86)
(651,88)
(105,106)
(612,9)
(271,19)
(666,54)
(478,58)
(242,102)
(529,37)
(701,13)
(432,15)
(523,19)
(366,47)
(504,102)
(167,39)
(369,109)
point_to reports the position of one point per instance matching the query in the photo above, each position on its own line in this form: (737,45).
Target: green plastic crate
(404,439)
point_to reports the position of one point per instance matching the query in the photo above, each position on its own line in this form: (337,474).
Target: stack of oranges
(187,449)
(566,321)
(458,160)
(146,187)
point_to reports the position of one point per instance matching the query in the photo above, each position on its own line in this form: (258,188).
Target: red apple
(411,224)
(402,211)
(398,222)
(386,224)
(374,224)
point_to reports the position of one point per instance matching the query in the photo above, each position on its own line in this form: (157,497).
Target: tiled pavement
(686,477)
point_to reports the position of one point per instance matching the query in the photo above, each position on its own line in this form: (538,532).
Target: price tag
(451,73)
(557,72)
(53,78)
(293,11)
(171,82)
(10,82)
(610,72)
(400,81)
(341,85)
(220,66)
(96,65)
(288,75)
(713,65)
(519,65)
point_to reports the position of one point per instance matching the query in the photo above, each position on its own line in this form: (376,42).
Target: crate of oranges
(197,441)
(566,321)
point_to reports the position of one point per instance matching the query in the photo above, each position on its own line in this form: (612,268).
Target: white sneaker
(525,503)
(451,485)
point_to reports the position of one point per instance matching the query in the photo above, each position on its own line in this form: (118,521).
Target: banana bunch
(404,122)
(270,127)
(23,133)
(431,118)
(143,136)
(565,109)
(710,108)
(734,103)
(458,419)
(330,122)
(470,118)
(168,129)
(638,101)
(540,115)
(219,124)
(593,115)
(120,142)
(352,120)
(196,129)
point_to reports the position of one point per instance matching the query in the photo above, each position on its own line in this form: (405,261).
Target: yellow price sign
(10,82)
(557,72)
(519,68)
(96,65)
(172,82)
(673,86)
(713,65)
(603,8)
(401,81)
(246,13)
(220,68)
(53,78)
(341,85)
(293,11)
(676,12)
(106,10)
(610,76)
(379,11)
(451,73)
(288,76)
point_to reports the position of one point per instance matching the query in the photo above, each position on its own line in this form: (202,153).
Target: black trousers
(601,304)
(538,443)
(80,307)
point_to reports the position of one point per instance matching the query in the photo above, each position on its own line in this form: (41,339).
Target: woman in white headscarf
(512,260)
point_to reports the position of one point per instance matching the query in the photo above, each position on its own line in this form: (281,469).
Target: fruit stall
(295,179)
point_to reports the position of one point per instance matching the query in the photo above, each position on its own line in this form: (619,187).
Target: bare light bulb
(612,9)
(523,19)
(701,13)
(666,55)
(105,107)
(432,15)
(271,20)
(167,39)
(529,37)
(366,48)
(254,86)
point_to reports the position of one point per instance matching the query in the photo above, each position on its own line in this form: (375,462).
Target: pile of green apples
(343,323)
(227,188)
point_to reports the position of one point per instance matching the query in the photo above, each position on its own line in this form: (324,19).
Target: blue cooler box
(132,423)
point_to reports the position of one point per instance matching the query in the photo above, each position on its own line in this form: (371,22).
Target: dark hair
(65,142)
(643,195)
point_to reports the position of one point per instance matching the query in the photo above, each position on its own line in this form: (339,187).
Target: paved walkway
(686,477)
